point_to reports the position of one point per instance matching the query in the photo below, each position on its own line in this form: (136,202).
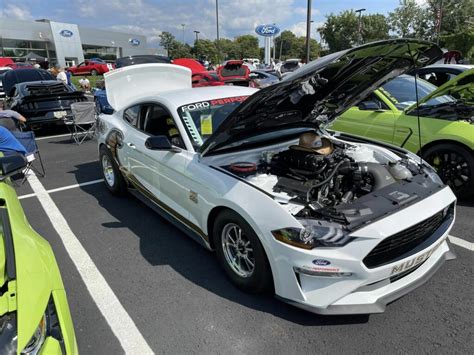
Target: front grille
(392,248)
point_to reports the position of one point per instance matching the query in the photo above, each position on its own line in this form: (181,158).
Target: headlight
(8,334)
(312,235)
(34,345)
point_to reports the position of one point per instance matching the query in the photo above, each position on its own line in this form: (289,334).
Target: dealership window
(16,49)
(109,54)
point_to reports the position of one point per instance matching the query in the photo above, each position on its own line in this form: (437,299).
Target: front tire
(455,166)
(241,254)
(112,177)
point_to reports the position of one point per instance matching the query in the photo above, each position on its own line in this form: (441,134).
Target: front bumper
(336,281)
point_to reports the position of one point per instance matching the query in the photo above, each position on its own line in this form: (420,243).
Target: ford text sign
(134,41)
(267,30)
(66,33)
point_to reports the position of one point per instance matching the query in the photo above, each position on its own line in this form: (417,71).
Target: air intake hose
(380,173)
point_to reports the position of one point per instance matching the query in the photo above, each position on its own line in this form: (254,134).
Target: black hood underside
(322,90)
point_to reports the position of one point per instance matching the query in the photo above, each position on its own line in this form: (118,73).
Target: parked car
(193,64)
(3,70)
(261,79)
(439,74)
(234,72)
(90,67)
(446,123)
(6,62)
(38,96)
(141,59)
(332,224)
(288,66)
(35,316)
(206,78)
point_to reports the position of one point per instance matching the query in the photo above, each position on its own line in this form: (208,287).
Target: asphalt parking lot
(179,300)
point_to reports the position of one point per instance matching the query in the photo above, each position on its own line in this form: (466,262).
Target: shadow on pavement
(161,243)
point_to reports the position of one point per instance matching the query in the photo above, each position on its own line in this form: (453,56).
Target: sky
(151,17)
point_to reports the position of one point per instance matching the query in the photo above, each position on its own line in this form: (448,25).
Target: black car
(38,96)
(141,59)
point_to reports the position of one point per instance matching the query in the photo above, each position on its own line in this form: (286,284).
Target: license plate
(60,114)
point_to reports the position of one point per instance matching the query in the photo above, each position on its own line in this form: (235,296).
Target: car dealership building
(65,43)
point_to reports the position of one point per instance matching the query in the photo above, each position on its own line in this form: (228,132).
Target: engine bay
(320,177)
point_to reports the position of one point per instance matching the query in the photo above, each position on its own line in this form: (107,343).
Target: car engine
(319,173)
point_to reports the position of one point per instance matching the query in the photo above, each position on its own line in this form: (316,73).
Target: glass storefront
(109,54)
(18,49)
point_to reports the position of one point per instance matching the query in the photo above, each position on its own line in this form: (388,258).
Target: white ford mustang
(330,223)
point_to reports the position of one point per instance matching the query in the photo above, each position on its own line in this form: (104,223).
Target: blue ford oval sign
(66,33)
(267,30)
(321,262)
(134,41)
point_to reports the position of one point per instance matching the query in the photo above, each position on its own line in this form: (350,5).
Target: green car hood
(461,86)
(37,273)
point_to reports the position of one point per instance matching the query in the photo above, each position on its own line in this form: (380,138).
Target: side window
(131,115)
(159,122)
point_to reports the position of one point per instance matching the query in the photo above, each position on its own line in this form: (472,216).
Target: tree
(247,46)
(167,41)
(455,14)
(410,20)
(342,31)
(205,49)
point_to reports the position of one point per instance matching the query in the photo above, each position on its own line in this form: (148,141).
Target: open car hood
(460,87)
(126,85)
(13,77)
(321,90)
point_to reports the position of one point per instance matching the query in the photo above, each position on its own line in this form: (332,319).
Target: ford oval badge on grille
(321,262)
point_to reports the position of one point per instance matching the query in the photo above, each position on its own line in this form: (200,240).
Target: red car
(234,72)
(206,78)
(91,67)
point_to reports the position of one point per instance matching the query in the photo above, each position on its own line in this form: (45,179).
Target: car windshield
(202,118)
(401,91)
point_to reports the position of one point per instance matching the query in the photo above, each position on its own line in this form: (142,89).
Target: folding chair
(83,121)
(27,140)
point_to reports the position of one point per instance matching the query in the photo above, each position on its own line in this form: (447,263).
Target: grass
(92,80)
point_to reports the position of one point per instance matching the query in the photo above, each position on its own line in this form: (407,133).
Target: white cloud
(16,12)
(302,11)
(299,29)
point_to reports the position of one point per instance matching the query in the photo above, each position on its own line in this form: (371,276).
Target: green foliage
(412,21)
(342,31)
(247,46)
(205,49)
(289,46)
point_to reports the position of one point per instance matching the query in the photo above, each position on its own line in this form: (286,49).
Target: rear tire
(245,263)
(113,179)
(455,166)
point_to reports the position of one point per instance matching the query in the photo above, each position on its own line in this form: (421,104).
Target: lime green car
(446,113)
(34,312)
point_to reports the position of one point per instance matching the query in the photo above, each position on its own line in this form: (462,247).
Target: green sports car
(446,114)
(34,313)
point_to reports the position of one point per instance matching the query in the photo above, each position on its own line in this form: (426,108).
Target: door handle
(131,145)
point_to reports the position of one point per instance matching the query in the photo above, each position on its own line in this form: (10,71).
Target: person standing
(62,76)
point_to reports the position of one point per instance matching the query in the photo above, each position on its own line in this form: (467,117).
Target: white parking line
(461,243)
(63,188)
(120,322)
(57,136)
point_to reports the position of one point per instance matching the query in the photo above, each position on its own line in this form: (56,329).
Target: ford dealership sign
(134,41)
(267,30)
(66,33)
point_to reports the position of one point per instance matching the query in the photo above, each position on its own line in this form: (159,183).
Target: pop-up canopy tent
(32,56)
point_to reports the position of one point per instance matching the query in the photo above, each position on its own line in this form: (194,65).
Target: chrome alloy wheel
(237,250)
(108,170)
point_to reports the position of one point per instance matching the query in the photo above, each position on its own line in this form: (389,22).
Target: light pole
(183,25)
(308,31)
(217,32)
(360,25)
(197,35)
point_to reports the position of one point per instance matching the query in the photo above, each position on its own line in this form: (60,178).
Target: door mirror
(11,164)
(158,143)
(369,106)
